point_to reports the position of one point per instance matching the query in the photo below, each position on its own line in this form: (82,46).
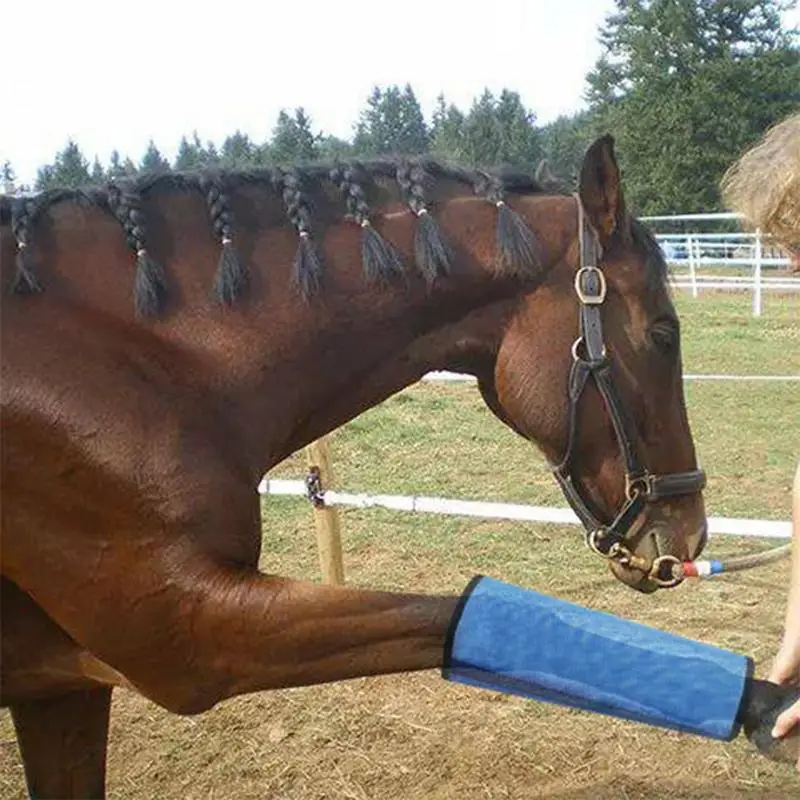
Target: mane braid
(416,179)
(150,284)
(308,271)
(23,213)
(517,251)
(231,277)
(381,260)
(432,253)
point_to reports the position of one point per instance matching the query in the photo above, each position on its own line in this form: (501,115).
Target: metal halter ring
(591,299)
(592,539)
(638,485)
(577,343)
(666,572)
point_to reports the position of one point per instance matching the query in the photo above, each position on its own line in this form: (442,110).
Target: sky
(114,76)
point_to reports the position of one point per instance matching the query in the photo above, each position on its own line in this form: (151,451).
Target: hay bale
(764,184)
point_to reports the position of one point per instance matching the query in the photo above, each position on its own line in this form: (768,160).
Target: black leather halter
(591,358)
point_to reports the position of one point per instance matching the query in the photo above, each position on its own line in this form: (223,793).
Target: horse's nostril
(672,541)
(701,541)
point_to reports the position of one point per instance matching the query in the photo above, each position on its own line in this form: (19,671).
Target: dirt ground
(417,737)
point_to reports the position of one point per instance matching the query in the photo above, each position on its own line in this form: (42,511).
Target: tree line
(684,86)
(496,130)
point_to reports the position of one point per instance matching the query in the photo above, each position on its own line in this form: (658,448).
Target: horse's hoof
(762,703)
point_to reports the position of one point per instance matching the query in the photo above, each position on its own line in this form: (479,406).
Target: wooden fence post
(326,519)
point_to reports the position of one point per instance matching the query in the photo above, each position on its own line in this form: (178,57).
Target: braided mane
(362,187)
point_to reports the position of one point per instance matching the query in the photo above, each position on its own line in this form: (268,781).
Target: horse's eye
(664,336)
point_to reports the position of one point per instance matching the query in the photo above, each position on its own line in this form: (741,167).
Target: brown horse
(138,424)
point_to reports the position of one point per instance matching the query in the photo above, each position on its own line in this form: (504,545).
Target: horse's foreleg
(237,633)
(313,634)
(196,631)
(63,743)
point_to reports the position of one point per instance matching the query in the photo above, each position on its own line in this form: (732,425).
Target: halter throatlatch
(590,358)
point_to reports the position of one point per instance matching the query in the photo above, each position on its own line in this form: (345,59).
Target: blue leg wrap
(514,640)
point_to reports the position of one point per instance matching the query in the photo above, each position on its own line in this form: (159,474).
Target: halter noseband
(590,357)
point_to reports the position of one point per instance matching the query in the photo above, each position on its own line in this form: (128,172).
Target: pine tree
(520,141)
(370,136)
(115,167)
(447,132)
(501,131)
(71,167)
(564,143)
(70,170)
(189,155)
(262,157)
(98,174)
(331,148)
(153,161)
(292,140)
(413,136)
(210,156)
(685,87)
(129,169)
(45,178)
(7,177)
(482,132)
(237,151)
(392,122)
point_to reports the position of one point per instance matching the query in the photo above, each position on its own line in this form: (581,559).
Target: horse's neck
(300,368)
(307,378)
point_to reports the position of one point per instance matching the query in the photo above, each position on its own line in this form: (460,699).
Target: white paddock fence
(445,377)
(752,253)
(770,529)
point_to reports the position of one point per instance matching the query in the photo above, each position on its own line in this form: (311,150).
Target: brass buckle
(591,299)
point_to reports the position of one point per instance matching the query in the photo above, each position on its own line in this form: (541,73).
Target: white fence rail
(749,252)
(769,529)
(444,376)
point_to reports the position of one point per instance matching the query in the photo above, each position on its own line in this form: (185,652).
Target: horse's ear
(601,189)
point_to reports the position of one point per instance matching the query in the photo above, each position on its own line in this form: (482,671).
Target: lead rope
(708,568)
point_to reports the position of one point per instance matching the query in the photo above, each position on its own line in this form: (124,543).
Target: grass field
(417,737)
